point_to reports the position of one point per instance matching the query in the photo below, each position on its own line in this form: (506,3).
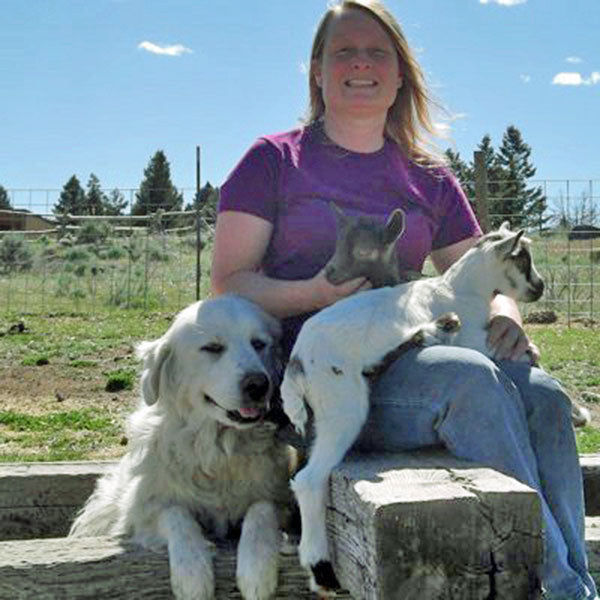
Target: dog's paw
(259,583)
(192,588)
(193,581)
(323,580)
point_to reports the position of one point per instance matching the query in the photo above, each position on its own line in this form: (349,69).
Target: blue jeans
(507,415)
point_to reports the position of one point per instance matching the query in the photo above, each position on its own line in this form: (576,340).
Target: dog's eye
(213,348)
(258,345)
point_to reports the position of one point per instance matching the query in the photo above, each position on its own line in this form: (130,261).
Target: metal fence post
(198,236)
(481,191)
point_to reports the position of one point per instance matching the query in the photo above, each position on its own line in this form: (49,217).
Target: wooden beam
(412,525)
(104,567)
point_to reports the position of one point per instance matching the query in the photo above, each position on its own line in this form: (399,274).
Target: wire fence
(161,261)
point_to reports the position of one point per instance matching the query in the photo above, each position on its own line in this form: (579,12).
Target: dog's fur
(339,346)
(202,460)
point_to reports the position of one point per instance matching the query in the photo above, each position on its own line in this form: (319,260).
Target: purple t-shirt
(289,179)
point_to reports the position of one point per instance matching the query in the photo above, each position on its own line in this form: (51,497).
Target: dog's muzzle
(256,390)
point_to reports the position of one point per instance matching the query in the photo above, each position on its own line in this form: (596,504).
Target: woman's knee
(544,398)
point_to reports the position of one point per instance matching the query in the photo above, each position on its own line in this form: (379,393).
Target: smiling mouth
(244,416)
(360,83)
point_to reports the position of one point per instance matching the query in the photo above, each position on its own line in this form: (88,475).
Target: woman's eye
(213,348)
(378,53)
(259,345)
(341,52)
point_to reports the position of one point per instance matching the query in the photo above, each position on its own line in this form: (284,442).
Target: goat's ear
(516,240)
(505,227)
(157,357)
(340,217)
(510,245)
(394,226)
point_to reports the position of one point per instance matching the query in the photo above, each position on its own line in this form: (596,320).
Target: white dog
(202,460)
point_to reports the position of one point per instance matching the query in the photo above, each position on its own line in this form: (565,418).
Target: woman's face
(359,73)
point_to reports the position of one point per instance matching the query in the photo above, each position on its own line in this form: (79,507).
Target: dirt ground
(54,387)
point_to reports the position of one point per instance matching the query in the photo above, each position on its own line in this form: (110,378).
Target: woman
(364,147)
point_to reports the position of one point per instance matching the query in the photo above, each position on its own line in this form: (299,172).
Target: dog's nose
(255,387)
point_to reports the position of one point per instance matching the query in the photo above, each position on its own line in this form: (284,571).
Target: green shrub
(14,254)
(118,380)
(94,232)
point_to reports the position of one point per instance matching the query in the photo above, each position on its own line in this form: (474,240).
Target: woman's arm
(241,241)
(506,337)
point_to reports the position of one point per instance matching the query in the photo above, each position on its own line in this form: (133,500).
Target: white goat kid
(338,348)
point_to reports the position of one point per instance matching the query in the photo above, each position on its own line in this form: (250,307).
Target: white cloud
(175,50)
(503,2)
(574,60)
(525,78)
(576,79)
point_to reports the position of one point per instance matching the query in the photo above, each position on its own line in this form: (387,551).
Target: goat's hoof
(448,322)
(323,580)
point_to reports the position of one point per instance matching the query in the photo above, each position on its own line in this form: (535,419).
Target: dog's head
(218,360)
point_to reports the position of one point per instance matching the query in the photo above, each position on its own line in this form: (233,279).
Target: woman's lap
(506,415)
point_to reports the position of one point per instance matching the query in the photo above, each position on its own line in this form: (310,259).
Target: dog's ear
(274,359)
(157,369)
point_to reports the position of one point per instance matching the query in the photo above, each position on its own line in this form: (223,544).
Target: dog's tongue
(249,413)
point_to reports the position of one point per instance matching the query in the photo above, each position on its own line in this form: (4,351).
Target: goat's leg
(340,407)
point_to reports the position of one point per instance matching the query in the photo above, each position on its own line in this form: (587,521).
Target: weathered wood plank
(39,500)
(592,541)
(103,567)
(425,525)
(590,468)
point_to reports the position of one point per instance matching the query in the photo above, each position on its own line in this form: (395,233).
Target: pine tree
(4,200)
(94,198)
(522,204)
(72,199)
(461,169)
(209,200)
(496,181)
(114,203)
(156,190)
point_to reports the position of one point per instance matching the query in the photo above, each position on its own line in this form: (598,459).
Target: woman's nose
(361,60)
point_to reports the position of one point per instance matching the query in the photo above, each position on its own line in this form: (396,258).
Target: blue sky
(100,85)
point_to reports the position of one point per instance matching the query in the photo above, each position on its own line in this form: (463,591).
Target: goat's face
(363,246)
(517,275)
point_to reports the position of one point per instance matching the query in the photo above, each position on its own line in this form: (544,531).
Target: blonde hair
(408,121)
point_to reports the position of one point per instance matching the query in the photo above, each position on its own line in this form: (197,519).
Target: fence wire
(89,264)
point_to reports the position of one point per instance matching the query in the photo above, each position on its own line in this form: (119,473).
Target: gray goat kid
(366,247)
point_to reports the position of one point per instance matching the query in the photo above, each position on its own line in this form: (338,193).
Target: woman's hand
(326,293)
(508,341)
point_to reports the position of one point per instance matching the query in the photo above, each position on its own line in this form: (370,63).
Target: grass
(57,436)
(92,359)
